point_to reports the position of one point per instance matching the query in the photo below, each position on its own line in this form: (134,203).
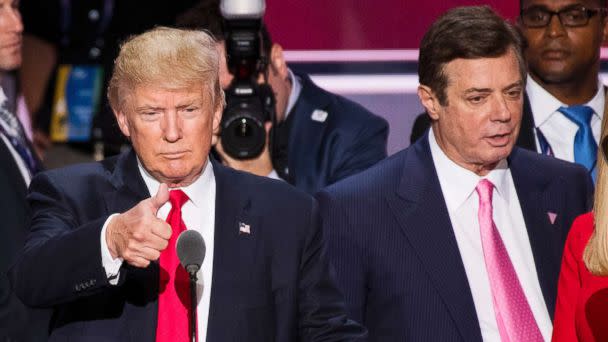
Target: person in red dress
(581,312)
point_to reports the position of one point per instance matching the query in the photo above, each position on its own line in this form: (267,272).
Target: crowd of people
(490,226)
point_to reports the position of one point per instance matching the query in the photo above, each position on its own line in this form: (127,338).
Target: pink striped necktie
(174,286)
(514,317)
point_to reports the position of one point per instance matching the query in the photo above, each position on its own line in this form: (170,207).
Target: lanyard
(66,19)
(545,147)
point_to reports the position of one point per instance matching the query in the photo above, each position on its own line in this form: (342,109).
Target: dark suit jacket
(274,284)
(526,138)
(17,322)
(348,141)
(392,242)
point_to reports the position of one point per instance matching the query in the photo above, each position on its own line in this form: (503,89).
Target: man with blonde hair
(101,254)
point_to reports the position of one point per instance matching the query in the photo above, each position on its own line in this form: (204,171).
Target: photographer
(319,137)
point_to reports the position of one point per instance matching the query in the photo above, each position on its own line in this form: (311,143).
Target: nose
(11,19)
(555,27)
(172,126)
(503,110)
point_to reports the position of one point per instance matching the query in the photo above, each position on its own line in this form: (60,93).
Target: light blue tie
(585,147)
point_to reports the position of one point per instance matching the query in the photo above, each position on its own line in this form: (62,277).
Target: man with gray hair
(102,247)
(459,237)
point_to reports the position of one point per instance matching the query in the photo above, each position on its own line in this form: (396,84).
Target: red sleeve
(569,285)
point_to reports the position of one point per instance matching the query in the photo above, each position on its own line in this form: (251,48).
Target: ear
(123,122)
(429,101)
(217,119)
(277,62)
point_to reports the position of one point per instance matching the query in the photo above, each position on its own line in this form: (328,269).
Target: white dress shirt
(555,126)
(23,170)
(458,188)
(198,213)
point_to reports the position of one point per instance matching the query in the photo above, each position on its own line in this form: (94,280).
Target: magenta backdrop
(360,24)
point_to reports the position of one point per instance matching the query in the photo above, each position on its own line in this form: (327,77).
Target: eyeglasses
(537,17)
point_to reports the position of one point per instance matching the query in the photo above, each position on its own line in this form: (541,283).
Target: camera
(249,105)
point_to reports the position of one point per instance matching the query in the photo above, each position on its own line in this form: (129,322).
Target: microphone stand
(192,269)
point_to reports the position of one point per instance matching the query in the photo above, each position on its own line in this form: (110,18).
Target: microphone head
(190,248)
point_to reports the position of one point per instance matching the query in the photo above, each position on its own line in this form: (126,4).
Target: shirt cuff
(110,265)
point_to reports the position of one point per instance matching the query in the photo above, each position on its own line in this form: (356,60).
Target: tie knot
(177,198)
(580,115)
(484,190)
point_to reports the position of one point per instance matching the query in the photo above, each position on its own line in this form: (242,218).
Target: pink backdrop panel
(361,24)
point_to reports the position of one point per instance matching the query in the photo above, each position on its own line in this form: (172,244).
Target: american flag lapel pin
(244,228)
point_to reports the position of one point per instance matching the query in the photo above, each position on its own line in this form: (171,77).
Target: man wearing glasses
(566,98)
(564,101)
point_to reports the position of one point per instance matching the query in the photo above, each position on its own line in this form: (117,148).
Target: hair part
(469,32)
(168,58)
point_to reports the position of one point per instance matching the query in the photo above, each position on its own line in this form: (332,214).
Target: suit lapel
(129,185)
(234,251)
(304,143)
(12,170)
(419,207)
(541,203)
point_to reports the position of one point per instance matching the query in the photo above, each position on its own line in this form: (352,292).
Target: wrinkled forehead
(165,94)
(483,73)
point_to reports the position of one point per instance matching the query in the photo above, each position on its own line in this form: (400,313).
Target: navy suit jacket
(394,248)
(348,141)
(274,284)
(17,322)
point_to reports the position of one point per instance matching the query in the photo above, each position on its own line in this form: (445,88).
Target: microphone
(191,248)
(191,251)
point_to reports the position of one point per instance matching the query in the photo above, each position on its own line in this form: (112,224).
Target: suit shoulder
(85,174)
(264,188)
(342,109)
(346,109)
(550,166)
(374,181)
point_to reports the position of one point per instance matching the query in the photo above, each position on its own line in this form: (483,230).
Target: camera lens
(243,136)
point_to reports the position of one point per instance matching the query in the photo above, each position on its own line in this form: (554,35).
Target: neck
(573,92)
(282,113)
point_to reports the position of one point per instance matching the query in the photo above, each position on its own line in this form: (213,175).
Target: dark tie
(174,286)
(16,136)
(585,147)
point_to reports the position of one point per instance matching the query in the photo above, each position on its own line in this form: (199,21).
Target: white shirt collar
(296,89)
(196,191)
(543,104)
(458,183)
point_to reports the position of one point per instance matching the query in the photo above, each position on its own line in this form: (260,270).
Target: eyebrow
(519,83)
(148,107)
(477,90)
(180,106)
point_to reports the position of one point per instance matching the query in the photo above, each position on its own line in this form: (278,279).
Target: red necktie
(174,286)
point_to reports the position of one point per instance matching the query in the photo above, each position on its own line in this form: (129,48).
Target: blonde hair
(169,58)
(596,251)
